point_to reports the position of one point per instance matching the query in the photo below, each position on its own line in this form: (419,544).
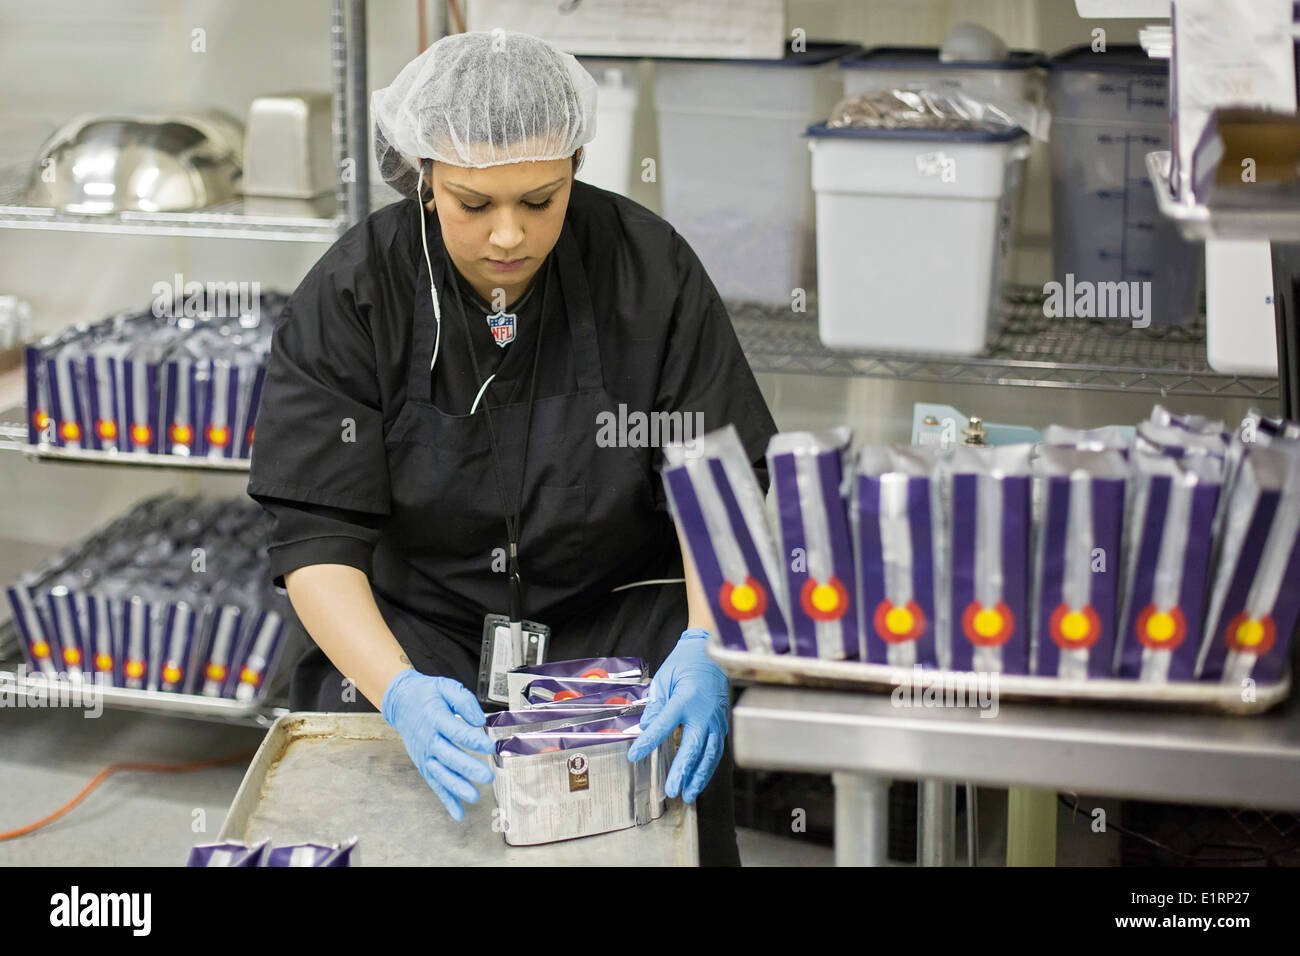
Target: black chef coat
(628,323)
(343,343)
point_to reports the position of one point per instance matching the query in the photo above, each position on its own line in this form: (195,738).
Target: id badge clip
(505,647)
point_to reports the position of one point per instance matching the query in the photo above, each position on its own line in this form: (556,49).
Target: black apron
(588,526)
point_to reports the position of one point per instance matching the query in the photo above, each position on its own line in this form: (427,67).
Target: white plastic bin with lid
(913,228)
(1019,77)
(734,166)
(607,160)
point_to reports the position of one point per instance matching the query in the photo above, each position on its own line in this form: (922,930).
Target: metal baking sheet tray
(325,777)
(883,678)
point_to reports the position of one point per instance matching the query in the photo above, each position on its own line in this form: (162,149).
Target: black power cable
(1191,857)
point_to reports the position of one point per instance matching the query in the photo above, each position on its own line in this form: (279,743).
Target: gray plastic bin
(735,166)
(1108,111)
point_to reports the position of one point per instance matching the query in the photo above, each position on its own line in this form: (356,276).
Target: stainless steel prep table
(328,777)
(863,740)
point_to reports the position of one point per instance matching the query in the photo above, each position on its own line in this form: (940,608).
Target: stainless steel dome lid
(159,162)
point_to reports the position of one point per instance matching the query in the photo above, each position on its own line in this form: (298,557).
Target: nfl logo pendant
(502,325)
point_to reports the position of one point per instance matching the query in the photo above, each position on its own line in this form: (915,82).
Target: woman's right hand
(427,712)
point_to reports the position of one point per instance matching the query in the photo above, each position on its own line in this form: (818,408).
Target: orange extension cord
(116,768)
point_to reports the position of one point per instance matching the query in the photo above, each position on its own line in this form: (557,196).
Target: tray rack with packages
(176,383)
(168,608)
(1160,569)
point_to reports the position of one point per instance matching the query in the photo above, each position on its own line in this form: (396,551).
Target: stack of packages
(233,853)
(1169,557)
(561,753)
(141,383)
(174,596)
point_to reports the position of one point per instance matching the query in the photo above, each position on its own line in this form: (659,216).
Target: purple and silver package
(346,855)
(247,370)
(140,407)
(808,477)
(895,516)
(38,645)
(180,407)
(507,723)
(1166,563)
(105,637)
(260,659)
(1255,600)
(219,432)
(105,431)
(99,636)
(1076,565)
(659,759)
(558,786)
(587,668)
(220,653)
(40,424)
(1175,441)
(545,690)
(1197,424)
(987,537)
(631,695)
(1106,438)
(69,622)
(178,647)
(137,623)
(299,854)
(623,723)
(1256,429)
(1269,429)
(158,608)
(229,853)
(250,406)
(311,854)
(718,507)
(65,397)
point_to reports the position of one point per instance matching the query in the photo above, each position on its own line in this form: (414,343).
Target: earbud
(424,239)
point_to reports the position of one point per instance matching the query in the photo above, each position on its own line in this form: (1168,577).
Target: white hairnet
(482,99)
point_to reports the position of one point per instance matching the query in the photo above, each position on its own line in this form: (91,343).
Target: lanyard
(512,521)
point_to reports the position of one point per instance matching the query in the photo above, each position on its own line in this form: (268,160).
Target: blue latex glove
(691,690)
(424,711)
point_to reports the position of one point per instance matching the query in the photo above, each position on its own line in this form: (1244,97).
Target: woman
(429,436)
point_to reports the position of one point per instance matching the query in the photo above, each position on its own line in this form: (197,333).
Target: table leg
(972,826)
(861,819)
(1031,827)
(936,823)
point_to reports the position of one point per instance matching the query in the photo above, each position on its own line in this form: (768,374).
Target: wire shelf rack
(1030,349)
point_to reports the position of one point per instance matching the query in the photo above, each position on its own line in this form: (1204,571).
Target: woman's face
(499,223)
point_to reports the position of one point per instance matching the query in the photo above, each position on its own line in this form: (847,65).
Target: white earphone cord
(433,294)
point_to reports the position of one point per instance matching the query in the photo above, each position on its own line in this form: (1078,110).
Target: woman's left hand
(691,690)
